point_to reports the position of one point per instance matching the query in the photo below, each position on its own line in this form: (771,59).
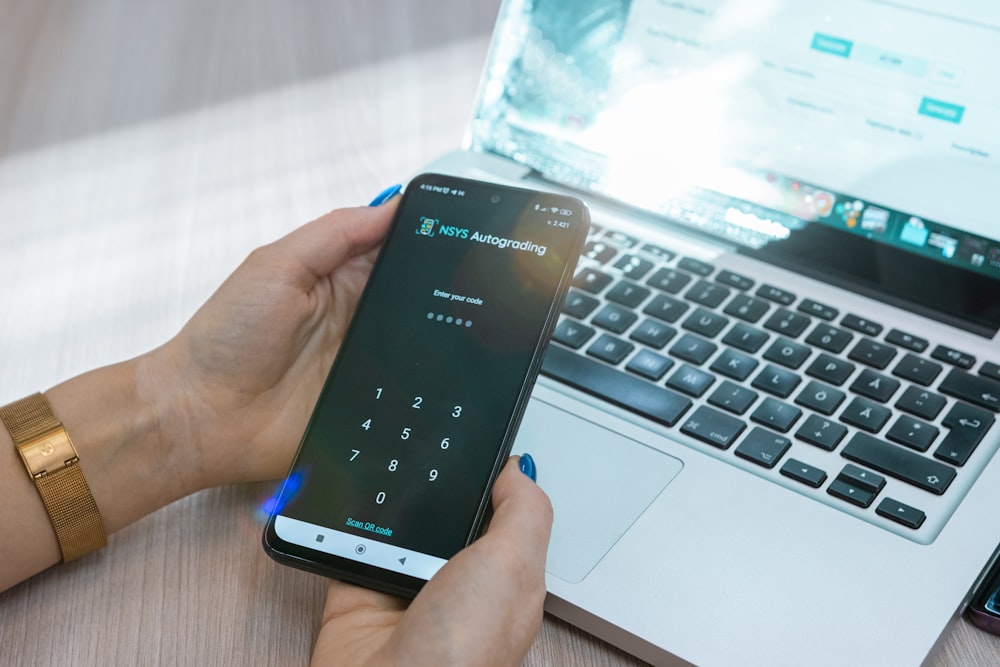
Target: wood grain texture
(145,149)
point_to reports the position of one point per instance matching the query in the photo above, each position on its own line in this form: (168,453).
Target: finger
(485,605)
(522,514)
(331,240)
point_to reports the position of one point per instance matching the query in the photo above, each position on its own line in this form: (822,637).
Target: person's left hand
(244,373)
(483,608)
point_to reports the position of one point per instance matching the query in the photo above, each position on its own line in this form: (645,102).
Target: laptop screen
(788,128)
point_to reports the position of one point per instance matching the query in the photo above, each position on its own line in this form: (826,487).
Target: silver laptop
(767,419)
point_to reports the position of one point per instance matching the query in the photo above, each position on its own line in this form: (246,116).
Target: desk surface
(145,149)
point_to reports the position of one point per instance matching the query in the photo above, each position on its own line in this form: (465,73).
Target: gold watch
(52,462)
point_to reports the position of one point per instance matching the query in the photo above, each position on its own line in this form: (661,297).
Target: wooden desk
(145,149)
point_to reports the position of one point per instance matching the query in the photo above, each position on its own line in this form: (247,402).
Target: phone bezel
(982,617)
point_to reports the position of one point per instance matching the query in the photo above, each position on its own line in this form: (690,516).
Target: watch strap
(53,464)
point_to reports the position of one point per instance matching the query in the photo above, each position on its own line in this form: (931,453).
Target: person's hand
(243,375)
(484,607)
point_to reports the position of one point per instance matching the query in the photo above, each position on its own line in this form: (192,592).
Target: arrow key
(861,478)
(896,511)
(803,472)
(856,485)
(851,494)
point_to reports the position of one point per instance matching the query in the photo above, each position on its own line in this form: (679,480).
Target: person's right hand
(483,608)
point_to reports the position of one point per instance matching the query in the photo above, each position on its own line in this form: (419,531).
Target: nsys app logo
(426,226)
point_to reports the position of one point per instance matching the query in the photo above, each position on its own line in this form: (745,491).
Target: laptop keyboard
(766,376)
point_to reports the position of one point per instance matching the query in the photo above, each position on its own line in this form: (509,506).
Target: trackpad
(599,483)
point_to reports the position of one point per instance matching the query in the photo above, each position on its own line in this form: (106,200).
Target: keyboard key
(614,318)
(627,293)
(803,472)
(976,389)
(861,325)
(599,251)
(875,385)
(633,266)
(851,494)
(731,396)
(716,428)
(864,414)
(821,398)
(820,310)
(821,432)
(953,356)
(990,370)
(693,349)
(830,338)
(746,308)
(856,485)
(909,341)
(659,253)
(705,322)
(579,305)
(629,392)
(572,334)
(913,433)
(830,369)
(788,323)
(610,349)
(690,380)
(669,280)
(921,402)
(734,364)
(787,353)
(695,266)
(763,447)
(591,280)
(734,280)
(649,365)
(621,239)
(776,381)
(776,294)
(745,338)
(652,333)
(707,294)
(872,353)
(861,478)
(665,308)
(900,463)
(967,426)
(896,511)
(917,369)
(776,414)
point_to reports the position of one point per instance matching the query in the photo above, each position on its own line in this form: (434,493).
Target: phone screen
(420,409)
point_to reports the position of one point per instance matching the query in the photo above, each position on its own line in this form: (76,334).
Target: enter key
(967,426)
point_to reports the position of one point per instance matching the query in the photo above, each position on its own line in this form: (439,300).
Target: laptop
(767,419)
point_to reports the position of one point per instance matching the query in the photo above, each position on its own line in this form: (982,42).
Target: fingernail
(386,195)
(527,466)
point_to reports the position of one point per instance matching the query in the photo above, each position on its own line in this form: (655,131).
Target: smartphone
(419,412)
(984,610)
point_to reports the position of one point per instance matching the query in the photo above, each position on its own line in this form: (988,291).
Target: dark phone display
(424,396)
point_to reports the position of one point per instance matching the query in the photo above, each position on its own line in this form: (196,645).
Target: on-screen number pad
(411,438)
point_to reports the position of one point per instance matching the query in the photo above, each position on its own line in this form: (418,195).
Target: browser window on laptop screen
(781,126)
